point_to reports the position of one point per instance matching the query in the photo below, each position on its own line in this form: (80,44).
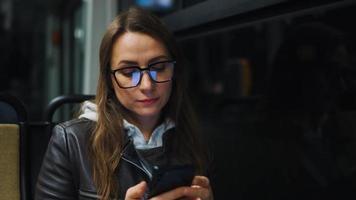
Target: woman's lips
(148,102)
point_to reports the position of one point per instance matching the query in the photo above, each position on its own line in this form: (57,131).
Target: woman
(141,119)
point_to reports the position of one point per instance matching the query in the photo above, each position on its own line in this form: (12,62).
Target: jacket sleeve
(55,180)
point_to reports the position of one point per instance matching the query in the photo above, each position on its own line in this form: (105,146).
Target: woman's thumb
(136,191)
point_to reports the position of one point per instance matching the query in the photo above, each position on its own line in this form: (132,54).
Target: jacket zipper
(149,174)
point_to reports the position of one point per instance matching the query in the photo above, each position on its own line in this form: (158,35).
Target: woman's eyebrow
(158,58)
(154,59)
(128,62)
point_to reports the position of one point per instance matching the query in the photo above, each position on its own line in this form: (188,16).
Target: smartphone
(168,178)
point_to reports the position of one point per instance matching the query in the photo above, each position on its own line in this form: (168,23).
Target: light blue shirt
(155,139)
(89,111)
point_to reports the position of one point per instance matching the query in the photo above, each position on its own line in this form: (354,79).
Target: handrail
(64,99)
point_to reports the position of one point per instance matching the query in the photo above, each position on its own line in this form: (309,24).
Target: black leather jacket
(66,169)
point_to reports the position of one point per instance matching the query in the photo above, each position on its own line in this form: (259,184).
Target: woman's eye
(158,67)
(128,71)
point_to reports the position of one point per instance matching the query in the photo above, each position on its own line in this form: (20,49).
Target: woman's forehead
(136,47)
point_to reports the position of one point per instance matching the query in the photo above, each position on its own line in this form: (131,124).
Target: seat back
(9,161)
(12,109)
(13,169)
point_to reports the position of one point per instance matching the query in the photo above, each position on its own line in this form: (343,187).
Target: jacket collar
(129,152)
(129,148)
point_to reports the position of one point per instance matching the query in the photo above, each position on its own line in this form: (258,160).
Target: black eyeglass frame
(141,72)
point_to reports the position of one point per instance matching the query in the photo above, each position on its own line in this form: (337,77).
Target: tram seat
(7,113)
(13,182)
(9,161)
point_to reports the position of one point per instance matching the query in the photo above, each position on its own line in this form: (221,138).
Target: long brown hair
(107,139)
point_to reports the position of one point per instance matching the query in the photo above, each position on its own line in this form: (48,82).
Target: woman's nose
(146,82)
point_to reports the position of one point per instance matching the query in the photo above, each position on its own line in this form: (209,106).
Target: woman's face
(146,100)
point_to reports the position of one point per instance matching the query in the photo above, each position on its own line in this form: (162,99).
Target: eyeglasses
(159,72)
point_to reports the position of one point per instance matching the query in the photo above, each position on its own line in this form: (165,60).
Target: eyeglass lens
(131,76)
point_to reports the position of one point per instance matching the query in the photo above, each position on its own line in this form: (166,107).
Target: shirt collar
(89,111)
(155,139)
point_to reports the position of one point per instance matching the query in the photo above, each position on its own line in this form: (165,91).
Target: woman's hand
(136,191)
(200,190)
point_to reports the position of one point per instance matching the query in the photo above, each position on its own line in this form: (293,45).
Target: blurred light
(165,3)
(56,38)
(145,3)
(78,33)
(156,4)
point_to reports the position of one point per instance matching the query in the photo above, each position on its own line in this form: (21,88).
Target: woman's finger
(200,190)
(202,193)
(201,181)
(137,191)
(176,193)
